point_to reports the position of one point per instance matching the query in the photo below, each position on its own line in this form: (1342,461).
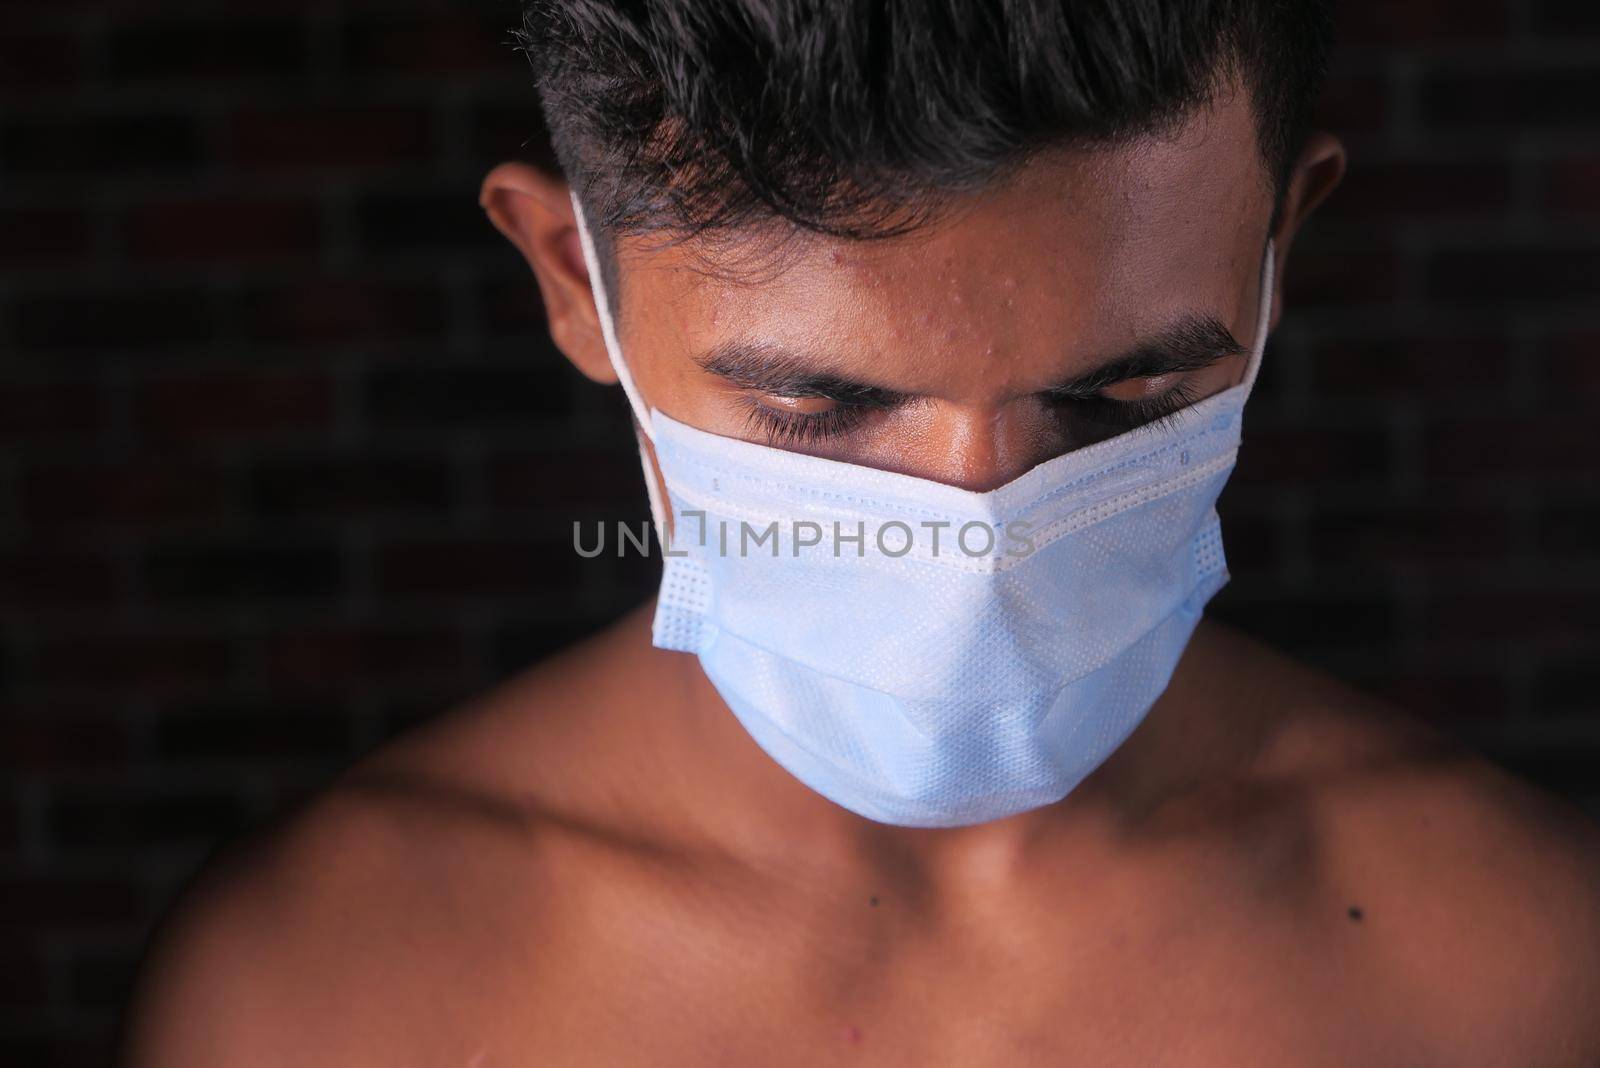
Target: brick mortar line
(113,279)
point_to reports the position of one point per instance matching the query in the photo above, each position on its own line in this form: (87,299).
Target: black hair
(856,118)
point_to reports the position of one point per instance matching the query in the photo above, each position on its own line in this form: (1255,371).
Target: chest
(806,997)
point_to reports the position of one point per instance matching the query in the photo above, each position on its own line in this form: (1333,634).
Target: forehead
(1085,249)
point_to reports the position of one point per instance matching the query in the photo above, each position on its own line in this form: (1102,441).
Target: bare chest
(678,995)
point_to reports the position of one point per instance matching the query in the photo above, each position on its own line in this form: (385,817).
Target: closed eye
(1090,417)
(1095,417)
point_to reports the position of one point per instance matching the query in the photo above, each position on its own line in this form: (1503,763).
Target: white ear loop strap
(1263,320)
(608,330)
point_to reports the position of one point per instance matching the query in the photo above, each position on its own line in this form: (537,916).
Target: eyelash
(1122,416)
(789,428)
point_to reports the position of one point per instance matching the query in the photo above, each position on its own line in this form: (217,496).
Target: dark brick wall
(284,450)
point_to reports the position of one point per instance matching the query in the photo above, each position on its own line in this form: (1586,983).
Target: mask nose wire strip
(608,328)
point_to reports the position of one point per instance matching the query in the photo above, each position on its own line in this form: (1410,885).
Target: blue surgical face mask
(930,656)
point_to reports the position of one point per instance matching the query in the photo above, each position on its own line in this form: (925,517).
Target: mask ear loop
(1263,320)
(608,327)
(642,428)
(658,511)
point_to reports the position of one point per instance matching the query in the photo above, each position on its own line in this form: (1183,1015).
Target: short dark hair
(857,117)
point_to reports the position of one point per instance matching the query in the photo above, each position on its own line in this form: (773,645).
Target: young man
(946,267)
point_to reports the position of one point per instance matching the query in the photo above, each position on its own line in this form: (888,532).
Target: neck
(755,808)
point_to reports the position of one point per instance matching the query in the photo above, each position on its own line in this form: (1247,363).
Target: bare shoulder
(1476,893)
(374,921)
(250,965)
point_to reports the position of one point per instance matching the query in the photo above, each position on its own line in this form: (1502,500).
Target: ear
(532,209)
(1316,174)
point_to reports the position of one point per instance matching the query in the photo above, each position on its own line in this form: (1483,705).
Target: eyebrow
(1191,343)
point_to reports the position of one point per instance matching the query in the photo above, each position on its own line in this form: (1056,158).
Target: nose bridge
(981,447)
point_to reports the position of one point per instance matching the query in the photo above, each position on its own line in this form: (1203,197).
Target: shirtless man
(891,240)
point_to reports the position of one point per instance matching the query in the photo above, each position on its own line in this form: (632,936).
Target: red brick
(448,220)
(1310,625)
(189,9)
(1512,447)
(1390,535)
(1422,190)
(84,320)
(60,901)
(130,492)
(1572,366)
(43,236)
(449,44)
(1424,22)
(361,485)
(24,981)
(1490,273)
(486,567)
(24,12)
(54,737)
(36,577)
(39,61)
(1568,681)
(212,409)
(1570,186)
(127,822)
(96,146)
(1328,272)
(258,735)
(10,825)
(1425,367)
(1564,18)
(342,309)
(558,479)
(1355,104)
(1568,530)
(337,135)
(231,230)
(240,570)
(321,661)
(164,49)
(53,411)
(120,661)
(467,395)
(390,7)
(1524,96)
(1311,455)
(1545,615)
(1448,697)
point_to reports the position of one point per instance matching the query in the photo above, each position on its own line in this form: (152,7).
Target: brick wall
(284,450)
